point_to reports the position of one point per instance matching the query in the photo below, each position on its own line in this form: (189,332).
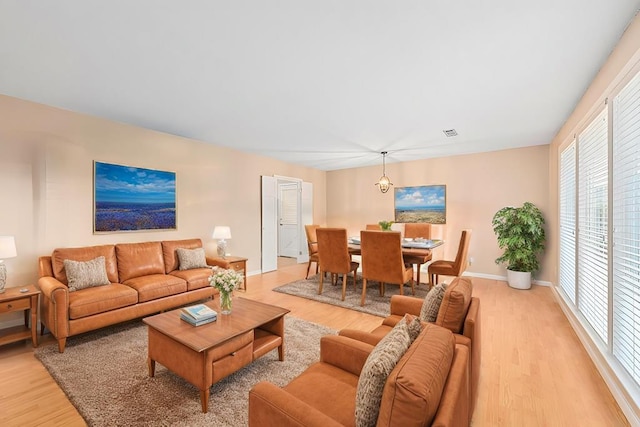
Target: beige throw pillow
(86,274)
(381,361)
(431,304)
(191,258)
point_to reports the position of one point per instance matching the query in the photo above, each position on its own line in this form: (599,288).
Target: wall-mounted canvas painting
(128,198)
(427,203)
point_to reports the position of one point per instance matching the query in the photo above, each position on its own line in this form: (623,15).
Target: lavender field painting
(132,199)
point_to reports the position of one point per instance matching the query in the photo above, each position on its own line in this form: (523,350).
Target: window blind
(593,288)
(568,221)
(626,227)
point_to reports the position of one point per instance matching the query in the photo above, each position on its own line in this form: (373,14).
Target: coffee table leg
(281,351)
(152,366)
(204,399)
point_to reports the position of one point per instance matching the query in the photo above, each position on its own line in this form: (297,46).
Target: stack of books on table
(198,315)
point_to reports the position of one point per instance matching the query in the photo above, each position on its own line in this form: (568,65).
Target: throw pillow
(191,258)
(414,326)
(431,304)
(383,358)
(86,274)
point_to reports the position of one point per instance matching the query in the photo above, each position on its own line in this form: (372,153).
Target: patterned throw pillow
(414,326)
(383,358)
(86,274)
(431,304)
(191,258)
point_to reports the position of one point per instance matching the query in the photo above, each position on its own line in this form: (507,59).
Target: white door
(288,224)
(307,218)
(269,224)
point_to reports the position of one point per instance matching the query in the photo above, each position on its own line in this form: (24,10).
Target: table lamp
(7,250)
(222,233)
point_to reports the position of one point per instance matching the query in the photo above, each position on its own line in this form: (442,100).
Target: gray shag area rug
(104,374)
(374,303)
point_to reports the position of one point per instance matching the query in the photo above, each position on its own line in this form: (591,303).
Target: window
(593,278)
(626,228)
(568,221)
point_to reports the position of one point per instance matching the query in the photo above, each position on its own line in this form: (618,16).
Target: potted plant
(521,234)
(385,225)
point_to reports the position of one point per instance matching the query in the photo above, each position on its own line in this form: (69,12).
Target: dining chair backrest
(415,230)
(382,256)
(461,261)
(333,250)
(373,227)
(312,238)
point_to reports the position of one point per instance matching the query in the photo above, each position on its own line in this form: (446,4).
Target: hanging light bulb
(384,182)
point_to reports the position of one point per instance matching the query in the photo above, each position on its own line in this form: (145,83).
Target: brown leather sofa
(145,279)
(428,386)
(459,312)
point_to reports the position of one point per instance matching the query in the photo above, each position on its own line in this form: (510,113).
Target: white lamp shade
(222,232)
(7,247)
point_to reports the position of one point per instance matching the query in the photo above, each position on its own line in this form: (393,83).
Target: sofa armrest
(54,306)
(271,406)
(363,336)
(344,353)
(401,305)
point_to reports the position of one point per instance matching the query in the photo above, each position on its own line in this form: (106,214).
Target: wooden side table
(14,300)
(236,263)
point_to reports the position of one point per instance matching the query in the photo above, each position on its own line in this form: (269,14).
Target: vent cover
(450,132)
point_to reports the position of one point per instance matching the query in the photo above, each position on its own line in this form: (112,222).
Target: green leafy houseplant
(385,225)
(521,234)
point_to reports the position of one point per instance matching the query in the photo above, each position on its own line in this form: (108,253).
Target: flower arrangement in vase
(225,281)
(385,225)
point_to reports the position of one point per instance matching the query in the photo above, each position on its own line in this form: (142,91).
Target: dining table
(414,251)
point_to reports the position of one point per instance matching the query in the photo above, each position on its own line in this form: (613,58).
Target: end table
(236,263)
(14,300)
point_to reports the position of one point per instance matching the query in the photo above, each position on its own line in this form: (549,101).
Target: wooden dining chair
(382,261)
(455,267)
(417,257)
(373,227)
(334,256)
(312,243)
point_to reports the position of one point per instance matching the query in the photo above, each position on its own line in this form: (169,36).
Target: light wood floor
(534,370)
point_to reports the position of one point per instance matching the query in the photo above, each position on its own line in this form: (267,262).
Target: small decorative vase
(225,302)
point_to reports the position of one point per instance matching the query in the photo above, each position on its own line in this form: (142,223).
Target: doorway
(287,204)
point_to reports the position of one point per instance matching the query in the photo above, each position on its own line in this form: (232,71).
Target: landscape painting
(426,203)
(128,198)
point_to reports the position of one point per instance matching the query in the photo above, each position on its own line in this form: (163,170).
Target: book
(193,322)
(199,312)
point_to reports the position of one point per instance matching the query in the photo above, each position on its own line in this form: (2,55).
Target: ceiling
(328,83)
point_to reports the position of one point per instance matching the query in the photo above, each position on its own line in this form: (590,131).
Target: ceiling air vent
(450,132)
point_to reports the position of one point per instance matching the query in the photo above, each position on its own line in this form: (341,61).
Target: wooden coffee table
(203,355)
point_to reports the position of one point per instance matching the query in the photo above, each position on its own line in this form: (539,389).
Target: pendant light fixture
(384,182)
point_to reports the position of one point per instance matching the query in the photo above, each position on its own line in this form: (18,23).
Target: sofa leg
(62,342)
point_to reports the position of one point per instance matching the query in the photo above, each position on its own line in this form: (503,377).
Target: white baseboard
(503,278)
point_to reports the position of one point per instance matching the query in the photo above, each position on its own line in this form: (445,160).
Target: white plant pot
(519,279)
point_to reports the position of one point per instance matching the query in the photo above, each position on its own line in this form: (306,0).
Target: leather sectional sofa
(143,278)
(429,386)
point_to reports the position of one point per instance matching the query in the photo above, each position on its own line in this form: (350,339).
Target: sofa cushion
(414,388)
(328,389)
(84,254)
(188,259)
(196,278)
(86,274)
(455,305)
(139,259)
(169,251)
(100,299)
(154,286)
(431,304)
(379,364)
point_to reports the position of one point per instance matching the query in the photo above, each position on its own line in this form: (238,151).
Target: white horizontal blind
(626,228)
(593,292)
(568,221)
